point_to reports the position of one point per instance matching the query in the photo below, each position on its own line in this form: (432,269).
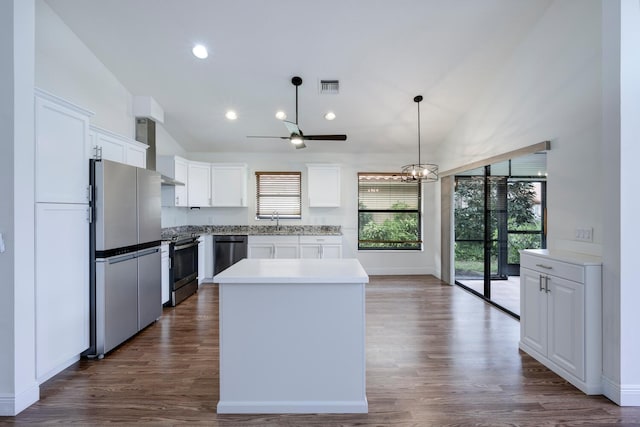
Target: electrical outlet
(584,234)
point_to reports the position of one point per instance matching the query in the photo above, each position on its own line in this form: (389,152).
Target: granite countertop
(252,230)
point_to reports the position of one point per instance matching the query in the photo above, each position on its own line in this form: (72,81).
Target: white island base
(292,336)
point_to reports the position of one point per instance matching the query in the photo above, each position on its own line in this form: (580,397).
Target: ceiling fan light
(296,139)
(200,52)
(281,115)
(231,115)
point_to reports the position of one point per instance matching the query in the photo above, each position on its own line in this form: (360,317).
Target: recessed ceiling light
(199,51)
(231,115)
(281,115)
(330,115)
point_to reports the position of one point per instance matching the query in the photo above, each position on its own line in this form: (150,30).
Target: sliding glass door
(498,210)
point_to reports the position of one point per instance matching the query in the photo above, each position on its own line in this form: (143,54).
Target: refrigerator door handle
(148,252)
(123,258)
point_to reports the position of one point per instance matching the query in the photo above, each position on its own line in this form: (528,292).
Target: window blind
(388,212)
(279,192)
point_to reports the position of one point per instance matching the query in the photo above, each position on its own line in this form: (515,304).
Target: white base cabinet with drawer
(561,315)
(273,247)
(320,246)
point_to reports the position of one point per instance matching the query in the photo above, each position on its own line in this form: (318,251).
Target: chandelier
(425,172)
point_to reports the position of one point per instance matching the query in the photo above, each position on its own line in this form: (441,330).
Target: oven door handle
(186,246)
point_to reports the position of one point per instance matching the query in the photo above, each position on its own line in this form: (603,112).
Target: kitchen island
(292,336)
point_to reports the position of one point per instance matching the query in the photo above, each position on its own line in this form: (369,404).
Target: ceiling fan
(296,136)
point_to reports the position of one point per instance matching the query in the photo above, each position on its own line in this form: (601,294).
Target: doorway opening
(499,209)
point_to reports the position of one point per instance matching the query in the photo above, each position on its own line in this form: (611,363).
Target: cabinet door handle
(540,278)
(546,285)
(546,267)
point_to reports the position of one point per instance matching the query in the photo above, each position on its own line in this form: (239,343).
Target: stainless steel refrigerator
(125,253)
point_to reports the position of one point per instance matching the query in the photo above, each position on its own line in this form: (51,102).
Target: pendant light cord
(419,162)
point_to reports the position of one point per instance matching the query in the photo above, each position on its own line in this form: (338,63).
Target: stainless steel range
(183,268)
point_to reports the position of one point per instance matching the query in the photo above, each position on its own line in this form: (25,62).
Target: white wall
(621,133)
(67,68)
(166,145)
(18,386)
(548,90)
(630,202)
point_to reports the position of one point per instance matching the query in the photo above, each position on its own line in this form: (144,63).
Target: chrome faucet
(277,216)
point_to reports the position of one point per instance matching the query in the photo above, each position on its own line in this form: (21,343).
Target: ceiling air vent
(329,87)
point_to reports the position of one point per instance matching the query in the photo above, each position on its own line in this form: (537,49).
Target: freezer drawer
(116,301)
(149,286)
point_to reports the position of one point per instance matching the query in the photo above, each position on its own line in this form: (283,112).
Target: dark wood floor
(436,356)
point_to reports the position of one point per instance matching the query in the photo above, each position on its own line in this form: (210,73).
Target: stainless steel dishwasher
(227,250)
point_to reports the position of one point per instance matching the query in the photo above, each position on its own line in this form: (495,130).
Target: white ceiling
(384,52)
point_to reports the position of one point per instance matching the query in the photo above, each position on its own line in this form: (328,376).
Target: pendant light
(425,172)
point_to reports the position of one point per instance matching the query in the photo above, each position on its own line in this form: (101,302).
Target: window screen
(278,192)
(388,212)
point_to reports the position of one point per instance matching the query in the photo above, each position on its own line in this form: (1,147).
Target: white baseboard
(399,271)
(58,368)
(294,407)
(623,395)
(11,405)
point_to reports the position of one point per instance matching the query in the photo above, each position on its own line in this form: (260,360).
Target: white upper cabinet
(177,168)
(111,146)
(206,184)
(62,150)
(323,185)
(229,185)
(199,184)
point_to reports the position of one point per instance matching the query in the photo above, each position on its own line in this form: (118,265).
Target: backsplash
(304,230)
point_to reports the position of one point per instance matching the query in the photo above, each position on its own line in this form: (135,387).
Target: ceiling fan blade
(325,137)
(259,136)
(292,127)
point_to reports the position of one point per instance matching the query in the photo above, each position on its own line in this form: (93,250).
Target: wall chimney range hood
(146,133)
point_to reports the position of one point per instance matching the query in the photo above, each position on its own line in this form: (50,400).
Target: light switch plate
(2,247)
(584,234)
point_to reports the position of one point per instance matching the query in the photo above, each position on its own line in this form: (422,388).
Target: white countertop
(572,257)
(343,270)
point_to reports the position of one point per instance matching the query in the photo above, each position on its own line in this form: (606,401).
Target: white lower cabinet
(295,247)
(320,246)
(205,259)
(62,286)
(273,247)
(561,315)
(165,265)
